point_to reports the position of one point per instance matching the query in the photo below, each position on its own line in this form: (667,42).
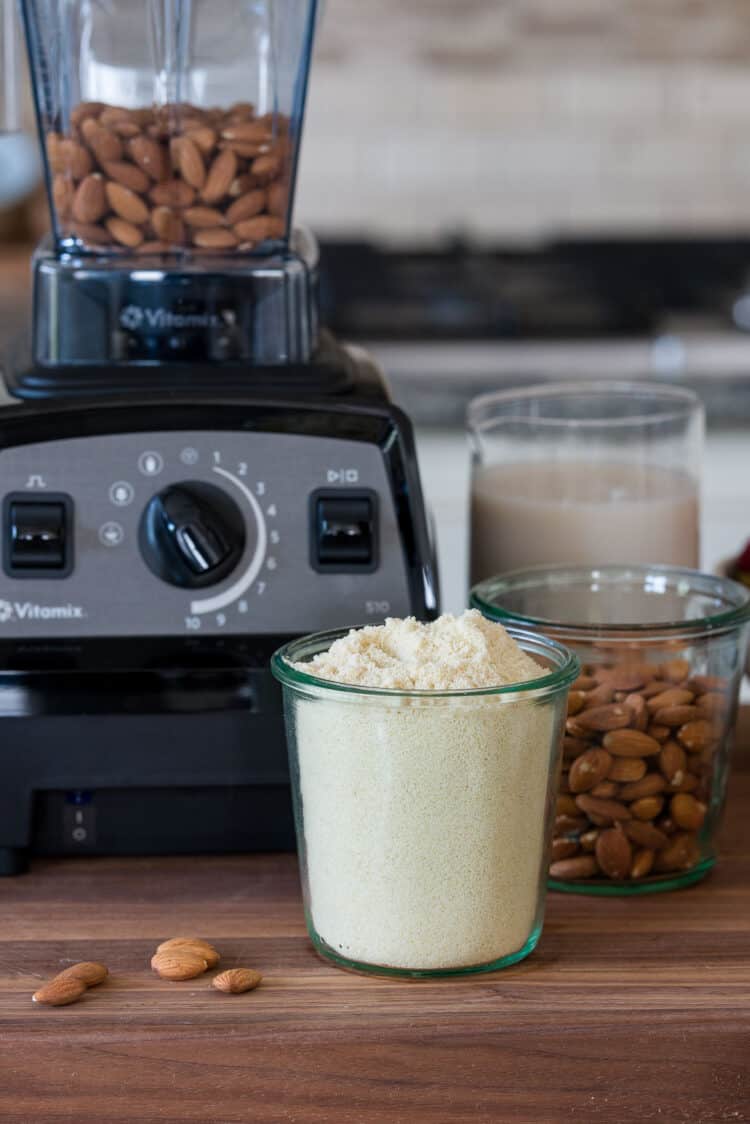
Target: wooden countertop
(629,1010)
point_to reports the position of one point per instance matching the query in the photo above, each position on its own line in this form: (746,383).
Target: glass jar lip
(560,677)
(560,576)
(679,403)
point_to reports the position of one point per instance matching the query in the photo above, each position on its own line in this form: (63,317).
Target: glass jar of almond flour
(650,719)
(424,817)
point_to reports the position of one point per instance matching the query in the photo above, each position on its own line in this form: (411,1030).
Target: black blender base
(13,860)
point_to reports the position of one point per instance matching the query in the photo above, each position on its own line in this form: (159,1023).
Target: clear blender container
(170,126)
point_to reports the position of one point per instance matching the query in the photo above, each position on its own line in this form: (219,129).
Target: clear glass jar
(423,817)
(170,124)
(584,473)
(650,719)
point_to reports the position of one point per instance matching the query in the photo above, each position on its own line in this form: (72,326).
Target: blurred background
(511,191)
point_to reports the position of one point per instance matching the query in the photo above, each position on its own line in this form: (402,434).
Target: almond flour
(424,817)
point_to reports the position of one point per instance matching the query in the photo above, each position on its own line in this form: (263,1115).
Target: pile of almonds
(184,958)
(639,751)
(180,958)
(155,179)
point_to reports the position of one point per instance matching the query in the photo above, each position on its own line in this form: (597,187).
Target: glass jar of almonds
(650,719)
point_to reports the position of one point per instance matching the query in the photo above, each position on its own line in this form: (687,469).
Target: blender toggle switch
(344,531)
(37,535)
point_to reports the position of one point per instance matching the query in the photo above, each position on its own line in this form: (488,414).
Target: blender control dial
(192,534)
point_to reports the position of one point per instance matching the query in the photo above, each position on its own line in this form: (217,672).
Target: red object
(741,568)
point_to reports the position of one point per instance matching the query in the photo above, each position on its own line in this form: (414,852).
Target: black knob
(192,534)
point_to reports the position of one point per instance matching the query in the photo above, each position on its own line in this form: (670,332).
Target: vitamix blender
(191,470)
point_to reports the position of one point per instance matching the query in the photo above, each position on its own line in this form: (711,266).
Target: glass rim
(725,620)
(559,677)
(682,403)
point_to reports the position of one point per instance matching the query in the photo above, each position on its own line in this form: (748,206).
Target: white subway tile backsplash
(514,118)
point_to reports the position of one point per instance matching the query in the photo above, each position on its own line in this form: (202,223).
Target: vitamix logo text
(32,611)
(136,319)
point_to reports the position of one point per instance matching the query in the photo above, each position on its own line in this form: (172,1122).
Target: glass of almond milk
(424,816)
(585,473)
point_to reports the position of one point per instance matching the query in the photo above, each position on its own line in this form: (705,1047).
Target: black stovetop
(562,290)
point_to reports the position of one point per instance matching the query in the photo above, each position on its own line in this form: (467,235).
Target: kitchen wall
(514,118)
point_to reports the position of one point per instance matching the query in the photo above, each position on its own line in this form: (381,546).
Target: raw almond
(203,218)
(189,160)
(614,853)
(602,694)
(90,200)
(688,782)
(637,704)
(251,204)
(675,670)
(129,175)
(573,747)
(673,696)
(687,812)
(589,769)
(580,866)
(588,840)
(220,176)
(655,687)
(660,733)
(630,743)
(60,991)
(216,239)
(167,226)
(104,144)
(643,861)
(607,810)
(153,246)
(62,194)
(90,972)
(696,735)
(672,762)
(196,944)
(265,169)
(681,853)
(246,131)
(71,158)
(182,963)
(584,683)
(712,703)
(204,137)
(236,980)
(151,157)
(126,203)
(650,785)
(90,233)
(569,825)
(172,193)
(603,718)
(676,715)
(645,835)
(626,769)
(259,229)
(607,789)
(625,677)
(85,109)
(647,808)
(124,232)
(565,806)
(563,849)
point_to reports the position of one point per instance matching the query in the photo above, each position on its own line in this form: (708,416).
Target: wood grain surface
(630,1010)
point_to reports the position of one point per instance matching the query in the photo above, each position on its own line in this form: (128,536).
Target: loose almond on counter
(60,991)
(236,980)
(90,972)
(181,963)
(196,944)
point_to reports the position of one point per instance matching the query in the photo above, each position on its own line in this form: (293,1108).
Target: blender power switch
(344,531)
(37,536)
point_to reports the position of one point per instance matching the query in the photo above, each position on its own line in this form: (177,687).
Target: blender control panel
(196,532)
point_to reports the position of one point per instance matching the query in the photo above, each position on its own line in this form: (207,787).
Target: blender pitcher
(171,131)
